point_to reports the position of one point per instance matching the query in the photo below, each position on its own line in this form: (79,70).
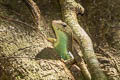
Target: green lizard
(62,44)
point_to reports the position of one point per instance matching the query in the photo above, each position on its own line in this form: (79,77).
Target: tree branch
(70,17)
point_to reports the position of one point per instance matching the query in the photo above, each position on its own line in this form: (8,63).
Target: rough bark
(24,52)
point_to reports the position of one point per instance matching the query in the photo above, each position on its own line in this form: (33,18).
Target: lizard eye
(64,25)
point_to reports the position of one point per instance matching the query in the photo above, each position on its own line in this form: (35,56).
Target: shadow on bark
(47,53)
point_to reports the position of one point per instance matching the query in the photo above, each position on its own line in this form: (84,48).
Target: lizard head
(60,26)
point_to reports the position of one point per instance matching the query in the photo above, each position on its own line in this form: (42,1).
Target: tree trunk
(25,54)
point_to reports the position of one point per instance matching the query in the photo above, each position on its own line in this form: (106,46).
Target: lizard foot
(69,62)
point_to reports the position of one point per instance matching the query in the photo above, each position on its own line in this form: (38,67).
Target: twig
(35,12)
(13,20)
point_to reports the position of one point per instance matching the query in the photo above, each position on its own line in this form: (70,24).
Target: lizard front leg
(52,40)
